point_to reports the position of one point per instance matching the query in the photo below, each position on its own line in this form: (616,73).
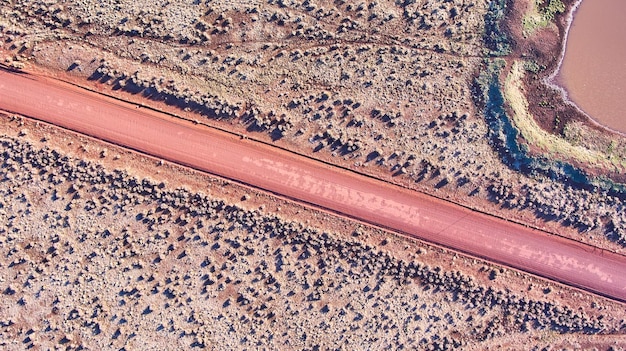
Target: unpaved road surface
(313,182)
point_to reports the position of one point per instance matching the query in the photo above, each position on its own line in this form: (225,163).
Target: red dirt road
(313,182)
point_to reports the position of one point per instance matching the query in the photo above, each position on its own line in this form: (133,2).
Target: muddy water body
(593,71)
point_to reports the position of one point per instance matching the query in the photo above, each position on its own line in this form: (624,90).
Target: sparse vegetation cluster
(549,9)
(541,15)
(117,262)
(157,89)
(496,38)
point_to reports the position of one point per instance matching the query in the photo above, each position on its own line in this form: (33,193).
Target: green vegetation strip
(535,135)
(504,135)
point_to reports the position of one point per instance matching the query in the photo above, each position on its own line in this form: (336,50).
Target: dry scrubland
(96,258)
(382,87)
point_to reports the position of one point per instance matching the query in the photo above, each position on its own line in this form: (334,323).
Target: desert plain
(105,247)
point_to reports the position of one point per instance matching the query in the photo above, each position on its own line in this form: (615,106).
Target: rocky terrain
(105,249)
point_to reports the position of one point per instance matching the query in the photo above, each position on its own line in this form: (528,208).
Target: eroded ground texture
(426,94)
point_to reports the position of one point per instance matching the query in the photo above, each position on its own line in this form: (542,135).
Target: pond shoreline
(547,102)
(556,81)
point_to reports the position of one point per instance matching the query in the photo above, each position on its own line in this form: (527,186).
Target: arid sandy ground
(105,249)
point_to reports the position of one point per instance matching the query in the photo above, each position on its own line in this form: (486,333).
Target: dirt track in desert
(313,182)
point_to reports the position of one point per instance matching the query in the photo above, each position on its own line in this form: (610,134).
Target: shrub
(496,39)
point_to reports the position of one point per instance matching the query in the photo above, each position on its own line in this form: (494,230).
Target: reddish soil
(316,183)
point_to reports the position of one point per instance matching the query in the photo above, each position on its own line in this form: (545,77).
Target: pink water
(594,67)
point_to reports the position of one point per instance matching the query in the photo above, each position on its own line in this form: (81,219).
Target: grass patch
(533,67)
(541,14)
